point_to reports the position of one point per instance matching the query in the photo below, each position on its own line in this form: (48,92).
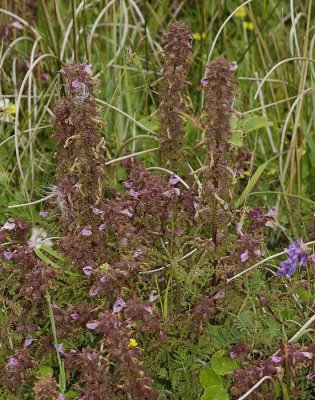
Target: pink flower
(137,253)
(94,291)
(153,296)
(17,25)
(86,231)
(8,255)
(74,316)
(13,362)
(233,66)
(102,227)
(276,359)
(239,226)
(96,211)
(127,212)
(244,256)
(75,84)
(133,193)
(128,184)
(28,342)
(88,68)
(92,325)
(60,348)
(43,214)
(174,180)
(119,305)
(88,270)
(9,225)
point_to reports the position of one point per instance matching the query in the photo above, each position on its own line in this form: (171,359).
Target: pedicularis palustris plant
(133,301)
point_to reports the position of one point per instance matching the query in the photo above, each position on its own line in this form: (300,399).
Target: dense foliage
(157,224)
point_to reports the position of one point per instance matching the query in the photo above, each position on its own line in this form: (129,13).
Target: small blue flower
(296,256)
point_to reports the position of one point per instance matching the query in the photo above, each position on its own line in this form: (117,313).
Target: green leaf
(251,183)
(45,370)
(62,377)
(222,364)
(234,123)
(208,377)
(237,138)
(71,395)
(52,252)
(44,258)
(215,393)
(151,122)
(255,122)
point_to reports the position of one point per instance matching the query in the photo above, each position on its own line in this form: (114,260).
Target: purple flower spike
(88,270)
(119,305)
(86,231)
(75,84)
(312,258)
(43,214)
(8,255)
(92,325)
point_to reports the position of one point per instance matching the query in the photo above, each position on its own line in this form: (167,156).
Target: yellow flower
(248,25)
(6,109)
(11,109)
(198,36)
(132,343)
(240,13)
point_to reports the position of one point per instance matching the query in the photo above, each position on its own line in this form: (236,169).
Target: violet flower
(297,256)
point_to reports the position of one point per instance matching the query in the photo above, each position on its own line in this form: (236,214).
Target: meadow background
(272,43)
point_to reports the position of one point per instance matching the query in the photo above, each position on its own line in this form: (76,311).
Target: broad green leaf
(45,370)
(151,122)
(255,122)
(234,123)
(237,138)
(251,183)
(208,377)
(215,393)
(222,364)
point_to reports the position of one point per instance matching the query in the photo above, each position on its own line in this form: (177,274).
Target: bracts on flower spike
(177,47)
(80,172)
(219,177)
